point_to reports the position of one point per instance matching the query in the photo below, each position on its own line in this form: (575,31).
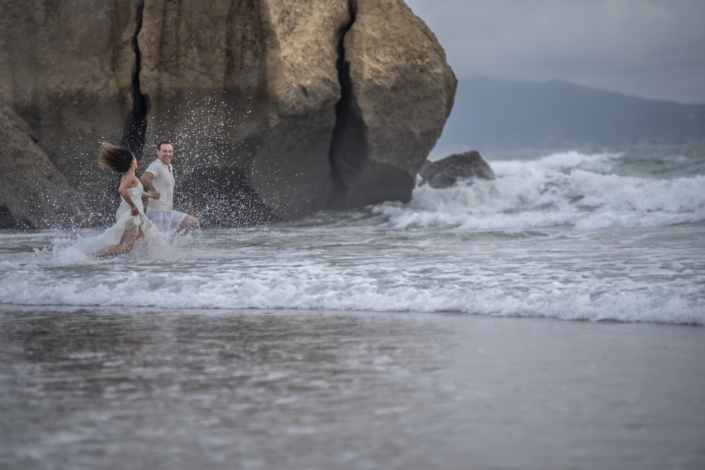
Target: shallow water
(96,388)
(627,275)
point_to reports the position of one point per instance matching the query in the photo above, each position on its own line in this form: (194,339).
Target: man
(159,178)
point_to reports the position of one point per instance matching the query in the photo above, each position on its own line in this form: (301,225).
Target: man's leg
(182,222)
(159,219)
(189,223)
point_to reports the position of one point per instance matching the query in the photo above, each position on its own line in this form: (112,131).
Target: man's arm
(146,180)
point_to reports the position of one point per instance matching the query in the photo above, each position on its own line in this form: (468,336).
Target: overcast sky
(649,48)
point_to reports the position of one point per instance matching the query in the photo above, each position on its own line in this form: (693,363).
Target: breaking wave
(568,189)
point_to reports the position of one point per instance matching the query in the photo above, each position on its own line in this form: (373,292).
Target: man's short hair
(159,145)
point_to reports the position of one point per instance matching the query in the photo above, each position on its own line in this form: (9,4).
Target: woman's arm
(126,182)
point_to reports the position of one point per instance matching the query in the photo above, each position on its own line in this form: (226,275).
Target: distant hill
(497,114)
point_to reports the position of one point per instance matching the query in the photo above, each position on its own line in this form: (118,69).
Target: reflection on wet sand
(159,389)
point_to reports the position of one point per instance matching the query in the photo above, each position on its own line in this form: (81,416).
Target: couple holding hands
(132,221)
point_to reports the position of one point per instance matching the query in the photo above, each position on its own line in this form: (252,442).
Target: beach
(352,235)
(136,388)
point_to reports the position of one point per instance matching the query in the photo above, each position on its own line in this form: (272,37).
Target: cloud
(652,48)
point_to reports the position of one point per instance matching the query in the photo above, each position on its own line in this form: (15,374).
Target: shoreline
(223,311)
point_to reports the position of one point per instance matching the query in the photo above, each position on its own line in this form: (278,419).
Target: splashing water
(608,236)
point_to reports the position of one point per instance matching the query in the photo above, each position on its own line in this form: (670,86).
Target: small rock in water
(445,173)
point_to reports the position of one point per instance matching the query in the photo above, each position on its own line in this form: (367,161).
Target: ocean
(549,319)
(616,235)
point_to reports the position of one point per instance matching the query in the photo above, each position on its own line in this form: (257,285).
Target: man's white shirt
(163,182)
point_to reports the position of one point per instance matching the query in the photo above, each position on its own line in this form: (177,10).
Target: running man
(159,178)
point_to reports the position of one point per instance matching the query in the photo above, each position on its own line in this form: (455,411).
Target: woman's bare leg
(127,243)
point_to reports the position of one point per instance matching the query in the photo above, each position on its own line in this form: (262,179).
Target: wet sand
(146,388)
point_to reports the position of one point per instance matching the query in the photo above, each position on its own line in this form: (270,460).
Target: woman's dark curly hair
(115,157)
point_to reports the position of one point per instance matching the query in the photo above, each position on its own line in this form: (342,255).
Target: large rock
(66,69)
(460,166)
(33,193)
(277,108)
(399,92)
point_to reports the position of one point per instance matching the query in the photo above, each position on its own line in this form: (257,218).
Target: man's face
(165,153)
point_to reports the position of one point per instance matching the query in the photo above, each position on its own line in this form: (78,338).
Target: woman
(131,223)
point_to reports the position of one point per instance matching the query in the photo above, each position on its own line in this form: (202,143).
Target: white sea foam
(569,189)
(322,287)
(559,277)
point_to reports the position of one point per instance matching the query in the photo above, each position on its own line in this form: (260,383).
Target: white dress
(124,220)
